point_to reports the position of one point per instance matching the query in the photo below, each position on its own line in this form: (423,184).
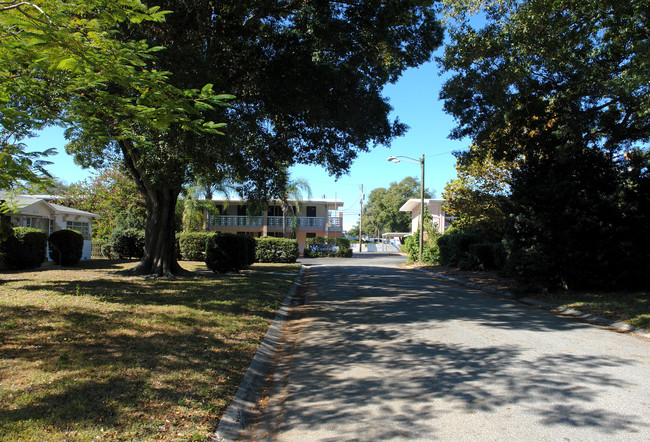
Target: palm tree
(293,191)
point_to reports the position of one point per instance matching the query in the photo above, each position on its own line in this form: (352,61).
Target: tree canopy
(381,214)
(307,76)
(559,90)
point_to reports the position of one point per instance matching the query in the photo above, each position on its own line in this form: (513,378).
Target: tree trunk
(160,237)
(160,234)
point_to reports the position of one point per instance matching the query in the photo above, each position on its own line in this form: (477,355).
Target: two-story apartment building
(314,219)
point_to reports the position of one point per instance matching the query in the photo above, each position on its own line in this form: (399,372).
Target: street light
(396,160)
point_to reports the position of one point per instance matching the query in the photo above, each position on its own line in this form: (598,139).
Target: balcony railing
(303,222)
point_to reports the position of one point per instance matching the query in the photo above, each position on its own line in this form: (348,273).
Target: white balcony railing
(303,222)
(236,221)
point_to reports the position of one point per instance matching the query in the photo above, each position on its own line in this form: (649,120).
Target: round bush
(128,243)
(226,252)
(66,247)
(24,249)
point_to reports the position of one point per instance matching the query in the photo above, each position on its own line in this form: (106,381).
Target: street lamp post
(397,159)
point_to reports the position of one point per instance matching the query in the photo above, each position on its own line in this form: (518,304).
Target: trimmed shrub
(226,252)
(270,249)
(128,243)
(24,249)
(192,245)
(66,247)
(454,249)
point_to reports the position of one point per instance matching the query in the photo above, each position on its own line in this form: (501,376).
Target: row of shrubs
(465,250)
(25,248)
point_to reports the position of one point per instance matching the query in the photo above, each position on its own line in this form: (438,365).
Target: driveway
(386,353)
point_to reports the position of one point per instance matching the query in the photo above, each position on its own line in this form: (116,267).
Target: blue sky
(415,101)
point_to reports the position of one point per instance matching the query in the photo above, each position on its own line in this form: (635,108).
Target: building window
(81,227)
(275,211)
(311,234)
(311,211)
(241,210)
(51,229)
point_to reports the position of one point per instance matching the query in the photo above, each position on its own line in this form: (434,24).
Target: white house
(37,212)
(433,206)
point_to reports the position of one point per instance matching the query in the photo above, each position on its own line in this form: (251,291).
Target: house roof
(21,202)
(415,202)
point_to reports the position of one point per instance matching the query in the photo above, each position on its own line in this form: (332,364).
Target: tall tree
(308,78)
(381,213)
(560,89)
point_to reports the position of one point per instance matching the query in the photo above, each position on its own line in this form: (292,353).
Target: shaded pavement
(381,353)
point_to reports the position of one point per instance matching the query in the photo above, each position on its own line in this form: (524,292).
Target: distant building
(38,212)
(313,220)
(433,206)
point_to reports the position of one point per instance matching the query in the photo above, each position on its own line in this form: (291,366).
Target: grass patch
(630,307)
(87,354)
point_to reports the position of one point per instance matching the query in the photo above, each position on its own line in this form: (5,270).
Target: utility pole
(360,217)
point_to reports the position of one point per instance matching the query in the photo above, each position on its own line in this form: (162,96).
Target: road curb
(593,319)
(244,404)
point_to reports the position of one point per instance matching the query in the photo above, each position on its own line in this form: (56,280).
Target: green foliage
(66,247)
(111,194)
(25,249)
(477,197)
(343,251)
(430,252)
(227,252)
(454,248)
(558,90)
(127,243)
(192,245)
(381,214)
(270,249)
(488,255)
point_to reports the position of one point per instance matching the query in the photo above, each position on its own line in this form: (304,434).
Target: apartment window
(81,227)
(311,211)
(241,210)
(275,211)
(311,234)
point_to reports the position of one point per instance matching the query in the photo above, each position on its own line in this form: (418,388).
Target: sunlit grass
(86,353)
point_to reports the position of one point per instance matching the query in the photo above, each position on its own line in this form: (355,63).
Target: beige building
(433,206)
(317,217)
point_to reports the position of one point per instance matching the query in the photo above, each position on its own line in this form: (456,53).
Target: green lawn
(89,354)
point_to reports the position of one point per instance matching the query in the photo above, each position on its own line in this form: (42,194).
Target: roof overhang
(414,203)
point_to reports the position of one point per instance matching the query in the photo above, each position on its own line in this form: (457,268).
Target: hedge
(66,247)
(270,249)
(192,245)
(24,249)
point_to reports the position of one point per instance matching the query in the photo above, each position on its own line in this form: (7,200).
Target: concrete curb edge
(244,403)
(619,326)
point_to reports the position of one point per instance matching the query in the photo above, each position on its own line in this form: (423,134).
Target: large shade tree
(560,90)
(307,76)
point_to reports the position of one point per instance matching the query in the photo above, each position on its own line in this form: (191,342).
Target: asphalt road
(387,353)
